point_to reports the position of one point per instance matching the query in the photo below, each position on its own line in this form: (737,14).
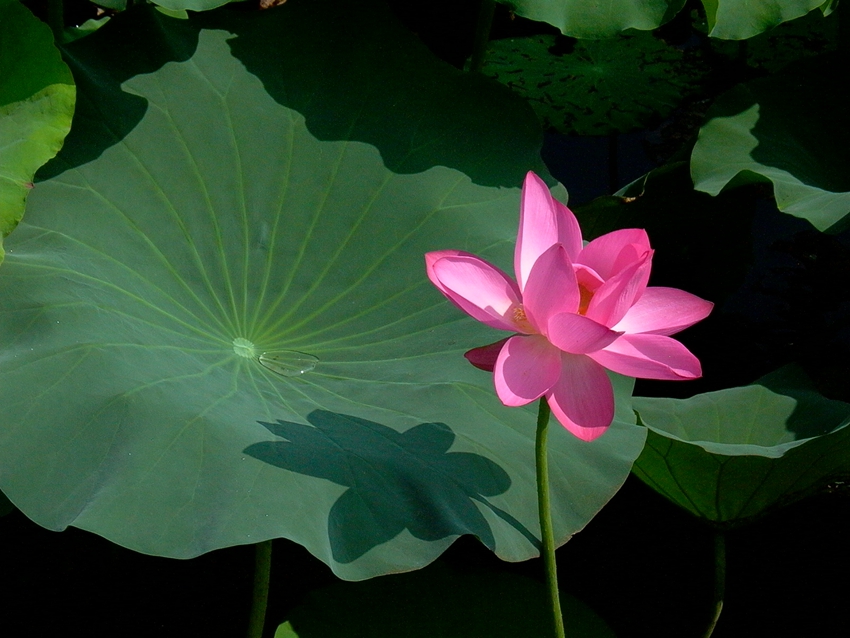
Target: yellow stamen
(584,301)
(519,314)
(521,320)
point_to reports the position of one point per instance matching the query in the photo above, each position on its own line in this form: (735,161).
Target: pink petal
(526,368)
(612,252)
(543,222)
(664,311)
(478,288)
(649,356)
(578,335)
(587,277)
(582,400)
(613,299)
(484,357)
(551,288)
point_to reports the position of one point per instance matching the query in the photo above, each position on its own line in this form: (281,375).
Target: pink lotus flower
(577,311)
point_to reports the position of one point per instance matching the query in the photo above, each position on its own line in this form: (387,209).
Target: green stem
(56,19)
(262,573)
(546,533)
(719,580)
(482,34)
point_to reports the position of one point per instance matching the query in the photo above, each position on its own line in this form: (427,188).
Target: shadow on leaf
(395,480)
(356,73)
(138,41)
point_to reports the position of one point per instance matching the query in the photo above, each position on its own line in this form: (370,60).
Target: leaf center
(244,348)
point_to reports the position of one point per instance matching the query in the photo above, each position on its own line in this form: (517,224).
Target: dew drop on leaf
(288,363)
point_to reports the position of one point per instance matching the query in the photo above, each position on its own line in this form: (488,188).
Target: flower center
(584,301)
(521,320)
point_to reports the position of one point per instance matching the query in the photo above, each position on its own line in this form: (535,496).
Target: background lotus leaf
(595,87)
(191,5)
(582,19)
(37,96)
(768,52)
(440,601)
(727,19)
(742,19)
(115,5)
(217,322)
(728,456)
(781,129)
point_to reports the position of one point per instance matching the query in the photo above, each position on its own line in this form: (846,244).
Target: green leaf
(285,631)
(441,602)
(37,97)
(742,19)
(598,87)
(217,321)
(115,5)
(728,456)
(191,5)
(582,19)
(86,28)
(177,14)
(782,129)
(769,52)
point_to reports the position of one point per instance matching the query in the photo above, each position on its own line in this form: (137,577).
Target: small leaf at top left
(37,98)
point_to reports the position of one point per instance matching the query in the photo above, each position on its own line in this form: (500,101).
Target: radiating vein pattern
(217,266)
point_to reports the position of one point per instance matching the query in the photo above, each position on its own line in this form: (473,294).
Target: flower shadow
(395,480)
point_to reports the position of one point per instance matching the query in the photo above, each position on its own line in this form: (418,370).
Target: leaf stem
(262,574)
(482,34)
(56,19)
(545,512)
(719,580)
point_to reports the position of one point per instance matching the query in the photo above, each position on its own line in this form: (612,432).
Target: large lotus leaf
(598,87)
(769,52)
(742,19)
(786,129)
(439,602)
(218,327)
(728,456)
(582,19)
(37,96)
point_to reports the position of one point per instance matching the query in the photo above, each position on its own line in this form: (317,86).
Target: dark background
(642,564)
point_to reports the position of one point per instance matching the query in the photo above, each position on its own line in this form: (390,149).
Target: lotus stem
(482,34)
(844,29)
(56,19)
(719,580)
(262,574)
(546,534)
